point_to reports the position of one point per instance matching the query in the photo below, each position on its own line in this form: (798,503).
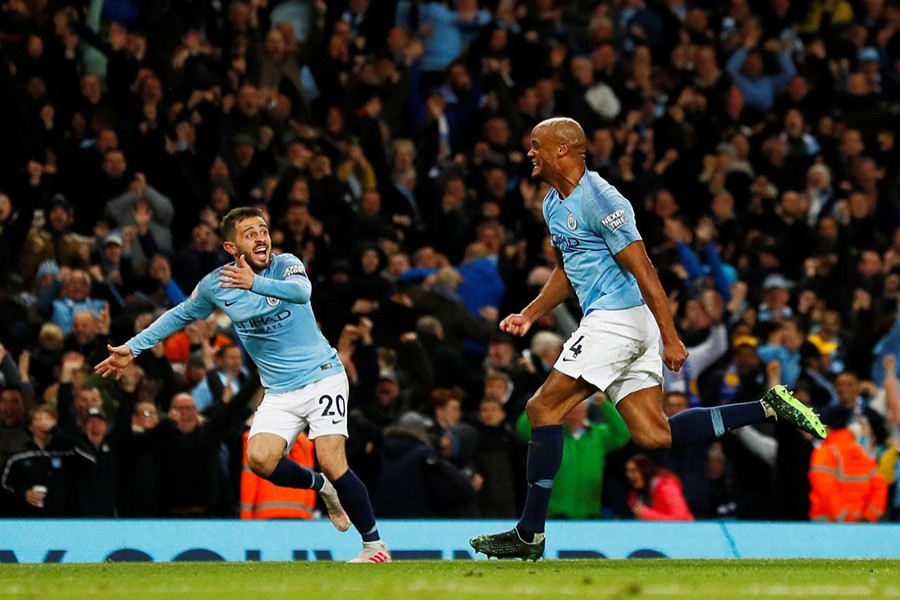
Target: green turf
(458,580)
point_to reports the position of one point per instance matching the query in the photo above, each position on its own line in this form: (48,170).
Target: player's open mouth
(261,251)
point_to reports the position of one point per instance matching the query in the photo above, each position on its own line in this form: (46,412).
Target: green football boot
(507,545)
(790,410)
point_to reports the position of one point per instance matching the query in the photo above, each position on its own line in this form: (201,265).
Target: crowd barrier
(95,541)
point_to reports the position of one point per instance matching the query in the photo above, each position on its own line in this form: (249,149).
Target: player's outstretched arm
(194,308)
(295,287)
(554,291)
(633,257)
(119,359)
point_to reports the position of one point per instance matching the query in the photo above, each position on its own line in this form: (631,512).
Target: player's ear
(562,149)
(229,247)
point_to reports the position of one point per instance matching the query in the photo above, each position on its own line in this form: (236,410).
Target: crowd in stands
(386,142)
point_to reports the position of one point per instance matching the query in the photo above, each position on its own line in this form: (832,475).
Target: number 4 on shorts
(575,348)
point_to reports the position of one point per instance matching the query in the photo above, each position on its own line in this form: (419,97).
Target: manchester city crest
(571,223)
(273,301)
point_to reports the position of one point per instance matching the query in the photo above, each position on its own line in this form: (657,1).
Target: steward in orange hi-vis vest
(845,484)
(261,499)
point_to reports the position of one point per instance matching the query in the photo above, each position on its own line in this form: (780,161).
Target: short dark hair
(235,216)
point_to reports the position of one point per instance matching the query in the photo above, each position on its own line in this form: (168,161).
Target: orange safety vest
(845,484)
(261,499)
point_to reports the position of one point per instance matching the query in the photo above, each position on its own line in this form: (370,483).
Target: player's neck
(566,180)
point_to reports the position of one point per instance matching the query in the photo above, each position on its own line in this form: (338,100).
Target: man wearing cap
(386,407)
(776,296)
(94,483)
(870,67)
(118,274)
(55,242)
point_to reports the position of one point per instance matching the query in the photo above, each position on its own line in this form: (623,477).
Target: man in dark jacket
(500,462)
(137,439)
(415,482)
(94,469)
(190,452)
(37,480)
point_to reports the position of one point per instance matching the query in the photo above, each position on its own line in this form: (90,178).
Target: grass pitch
(458,580)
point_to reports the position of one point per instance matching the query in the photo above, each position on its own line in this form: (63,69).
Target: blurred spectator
(115,272)
(446,406)
(146,209)
(747,69)
(55,242)
(498,461)
(776,295)
(656,493)
(577,488)
(138,438)
(76,296)
(222,382)
(94,470)
(866,424)
(846,486)
(447,363)
(386,407)
(89,335)
(37,480)
(158,286)
(190,453)
(415,481)
(13,435)
(44,362)
(742,379)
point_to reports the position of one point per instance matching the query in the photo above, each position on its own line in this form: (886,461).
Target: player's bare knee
(261,460)
(538,412)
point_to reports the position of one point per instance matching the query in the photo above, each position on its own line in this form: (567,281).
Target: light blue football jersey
(589,227)
(280,336)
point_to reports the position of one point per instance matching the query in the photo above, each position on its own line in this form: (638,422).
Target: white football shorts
(615,350)
(320,405)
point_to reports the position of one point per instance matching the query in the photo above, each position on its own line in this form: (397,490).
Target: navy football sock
(355,500)
(287,473)
(544,457)
(698,425)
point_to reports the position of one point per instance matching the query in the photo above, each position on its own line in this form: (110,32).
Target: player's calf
(653,438)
